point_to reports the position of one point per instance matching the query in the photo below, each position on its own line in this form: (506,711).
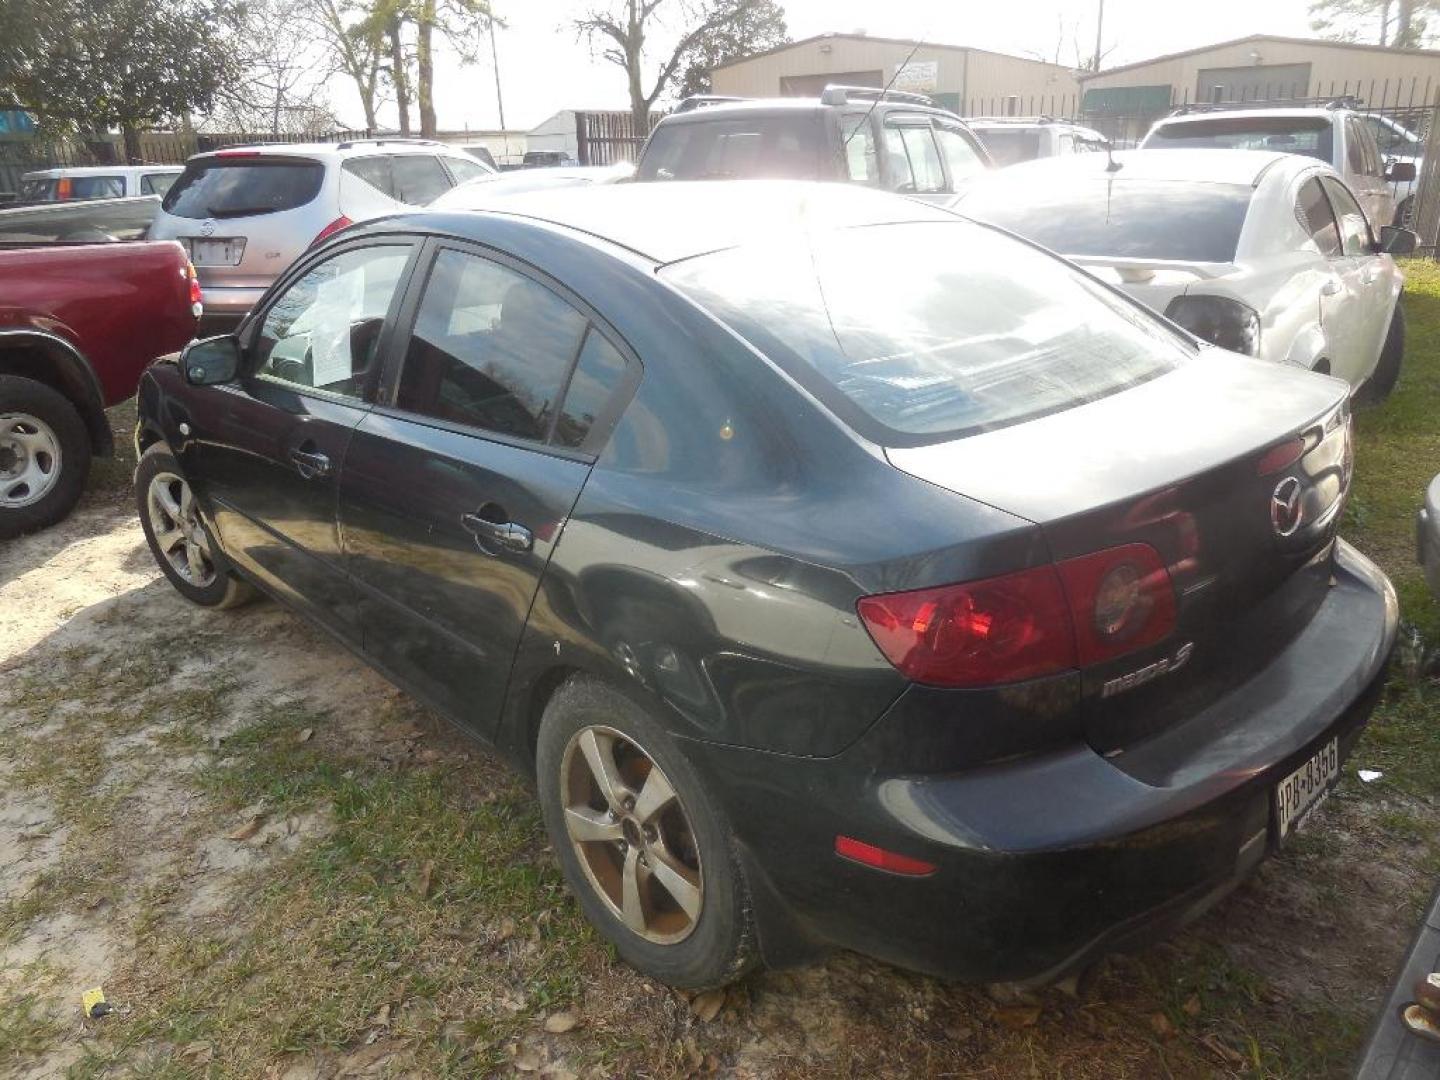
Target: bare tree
(281,88)
(1396,23)
(357,48)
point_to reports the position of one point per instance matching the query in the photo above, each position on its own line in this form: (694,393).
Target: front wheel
(644,849)
(178,537)
(44,456)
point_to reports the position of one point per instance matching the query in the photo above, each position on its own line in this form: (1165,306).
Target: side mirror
(1400,172)
(211,361)
(1397,241)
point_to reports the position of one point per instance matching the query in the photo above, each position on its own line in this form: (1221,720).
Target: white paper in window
(337,305)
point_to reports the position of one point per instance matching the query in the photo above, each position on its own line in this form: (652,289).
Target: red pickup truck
(79,322)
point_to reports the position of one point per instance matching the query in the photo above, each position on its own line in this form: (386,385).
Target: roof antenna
(881,96)
(1111,165)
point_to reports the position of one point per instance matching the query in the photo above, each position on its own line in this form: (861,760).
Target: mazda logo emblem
(1285,508)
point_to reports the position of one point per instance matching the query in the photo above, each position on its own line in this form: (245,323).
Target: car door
(457,485)
(266,450)
(1355,310)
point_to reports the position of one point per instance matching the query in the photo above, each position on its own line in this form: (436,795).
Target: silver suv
(245,214)
(1013,139)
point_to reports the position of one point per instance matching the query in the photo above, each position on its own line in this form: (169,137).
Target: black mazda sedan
(846,573)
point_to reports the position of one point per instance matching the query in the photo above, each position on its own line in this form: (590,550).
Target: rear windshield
(218,188)
(1308,135)
(918,332)
(73,187)
(1132,219)
(1010,147)
(736,148)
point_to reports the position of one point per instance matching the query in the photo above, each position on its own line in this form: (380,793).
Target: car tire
(1387,371)
(655,838)
(44,456)
(178,536)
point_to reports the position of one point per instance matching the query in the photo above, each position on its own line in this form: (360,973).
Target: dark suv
(894,141)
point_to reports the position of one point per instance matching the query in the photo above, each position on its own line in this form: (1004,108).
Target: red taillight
(334,227)
(870,855)
(1002,629)
(1280,457)
(197,298)
(1028,624)
(63,188)
(1121,600)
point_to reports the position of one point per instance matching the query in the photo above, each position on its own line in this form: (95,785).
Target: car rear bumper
(1046,861)
(229,302)
(1427,536)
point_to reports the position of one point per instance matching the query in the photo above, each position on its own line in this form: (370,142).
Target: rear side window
(918,332)
(598,374)
(418,178)
(491,349)
(961,157)
(375,171)
(1009,146)
(735,148)
(1137,219)
(1306,135)
(157,183)
(861,160)
(1313,210)
(463,169)
(74,187)
(217,187)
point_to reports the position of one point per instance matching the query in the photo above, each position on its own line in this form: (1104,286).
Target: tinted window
(861,161)
(375,171)
(1313,210)
(961,157)
(1009,147)
(463,169)
(242,188)
(1355,149)
(914,161)
(74,187)
(418,178)
(1137,219)
(931,330)
(1306,135)
(157,183)
(597,376)
(732,148)
(324,330)
(1354,229)
(491,348)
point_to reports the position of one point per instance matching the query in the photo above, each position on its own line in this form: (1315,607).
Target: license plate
(209,252)
(1300,794)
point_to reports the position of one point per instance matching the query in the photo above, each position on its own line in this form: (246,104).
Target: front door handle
(1330,288)
(310,463)
(504,535)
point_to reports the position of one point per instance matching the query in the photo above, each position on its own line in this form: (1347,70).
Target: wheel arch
(50,359)
(1309,348)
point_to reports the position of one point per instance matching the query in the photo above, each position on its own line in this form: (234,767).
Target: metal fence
(603,138)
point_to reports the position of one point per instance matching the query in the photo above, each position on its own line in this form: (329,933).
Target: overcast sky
(544,69)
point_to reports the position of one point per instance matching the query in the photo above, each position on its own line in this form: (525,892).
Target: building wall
(506,147)
(556,133)
(1365,69)
(960,73)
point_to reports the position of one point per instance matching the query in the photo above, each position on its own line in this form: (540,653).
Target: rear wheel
(645,850)
(178,537)
(1387,371)
(44,455)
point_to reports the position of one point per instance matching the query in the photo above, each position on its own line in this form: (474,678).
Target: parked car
(79,323)
(1262,253)
(894,141)
(482,154)
(1155,625)
(1397,143)
(1427,532)
(485,191)
(1011,139)
(1336,134)
(546,159)
(97,182)
(245,214)
(83,221)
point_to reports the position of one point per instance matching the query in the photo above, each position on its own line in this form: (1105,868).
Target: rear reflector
(870,855)
(334,227)
(1281,457)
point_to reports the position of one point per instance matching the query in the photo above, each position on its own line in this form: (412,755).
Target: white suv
(1260,253)
(1335,134)
(246,213)
(1013,139)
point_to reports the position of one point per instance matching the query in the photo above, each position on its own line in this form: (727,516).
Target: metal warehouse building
(965,80)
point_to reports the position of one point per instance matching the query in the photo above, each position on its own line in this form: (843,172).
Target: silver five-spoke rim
(179,536)
(29,460)
(632,835)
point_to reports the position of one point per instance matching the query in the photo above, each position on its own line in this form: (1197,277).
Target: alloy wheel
(179,536)
(29,460)
(632,835)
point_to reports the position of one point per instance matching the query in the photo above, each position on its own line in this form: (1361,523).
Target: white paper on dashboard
(337,305)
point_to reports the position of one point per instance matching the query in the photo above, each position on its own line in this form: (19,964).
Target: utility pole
(1099,34)
(499,98)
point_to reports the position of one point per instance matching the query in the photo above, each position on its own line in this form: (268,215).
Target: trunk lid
(1233,470)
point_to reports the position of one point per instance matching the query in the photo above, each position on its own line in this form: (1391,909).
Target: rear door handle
(310,463)
(504,535)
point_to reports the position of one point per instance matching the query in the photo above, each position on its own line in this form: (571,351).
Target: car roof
(99,170)
(357,148)
(1210,166)
(666,222)
(788,106)
(1250,114)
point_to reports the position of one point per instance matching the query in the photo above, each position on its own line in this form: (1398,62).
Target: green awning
(1118,100)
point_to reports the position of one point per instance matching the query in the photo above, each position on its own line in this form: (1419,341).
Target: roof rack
(699,101)
(841,95)
(1346,101)
(1014,120)
(350,144)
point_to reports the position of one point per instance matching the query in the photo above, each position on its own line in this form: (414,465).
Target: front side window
(1355,236)
(491,349)
(961,157)
(919,332)
(1355,149)
(1314,212)
(861,160)
(323,332)
(913,159)
(418,178)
